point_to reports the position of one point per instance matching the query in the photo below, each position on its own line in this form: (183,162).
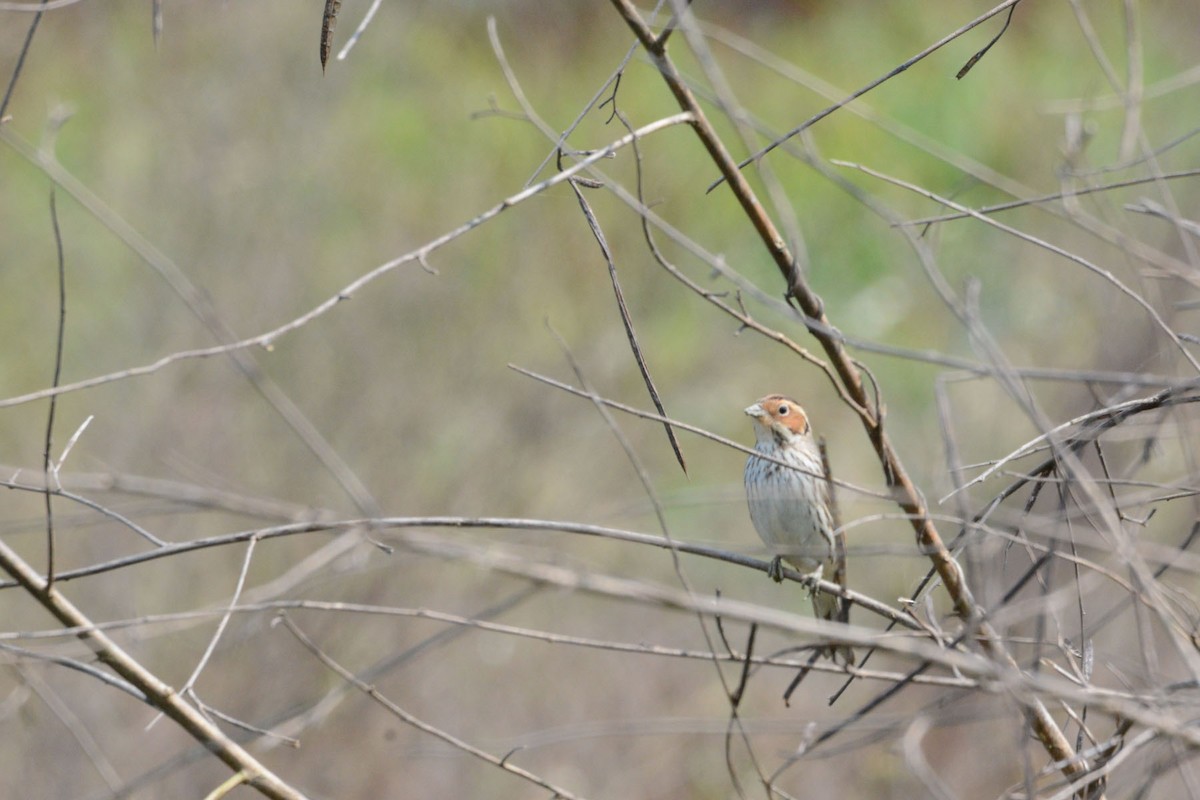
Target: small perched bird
(790,508)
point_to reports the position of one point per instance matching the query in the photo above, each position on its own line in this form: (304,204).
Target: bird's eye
(783,409)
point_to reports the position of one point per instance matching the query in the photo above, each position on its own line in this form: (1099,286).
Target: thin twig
(627,320)
(983,51)
(684,426)
(808,123)
(359,31)
(58,357)
(16,73)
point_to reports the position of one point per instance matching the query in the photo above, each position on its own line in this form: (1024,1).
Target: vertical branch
(52,483)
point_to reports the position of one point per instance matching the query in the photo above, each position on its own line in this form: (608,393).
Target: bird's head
(779,419)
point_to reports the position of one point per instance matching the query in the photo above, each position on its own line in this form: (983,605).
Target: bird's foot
(811,578)
(841,654)
(775,569)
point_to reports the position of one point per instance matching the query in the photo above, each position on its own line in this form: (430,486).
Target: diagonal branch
(158,694)
(627,320)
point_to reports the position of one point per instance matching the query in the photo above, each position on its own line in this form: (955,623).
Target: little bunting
(791,508)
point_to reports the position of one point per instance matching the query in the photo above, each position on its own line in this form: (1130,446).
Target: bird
(792,508)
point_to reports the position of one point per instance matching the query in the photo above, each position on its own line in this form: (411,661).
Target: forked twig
(813,120)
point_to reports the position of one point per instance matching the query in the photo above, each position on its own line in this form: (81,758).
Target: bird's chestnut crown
(776,410)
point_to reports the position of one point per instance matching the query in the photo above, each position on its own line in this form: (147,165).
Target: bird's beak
(756,411)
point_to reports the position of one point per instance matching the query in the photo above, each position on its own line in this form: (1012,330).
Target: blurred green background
(272,186)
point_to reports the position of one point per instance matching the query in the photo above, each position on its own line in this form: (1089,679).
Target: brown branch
(158,694)
(328,22)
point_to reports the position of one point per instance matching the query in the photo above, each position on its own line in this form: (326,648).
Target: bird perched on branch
(791,506)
